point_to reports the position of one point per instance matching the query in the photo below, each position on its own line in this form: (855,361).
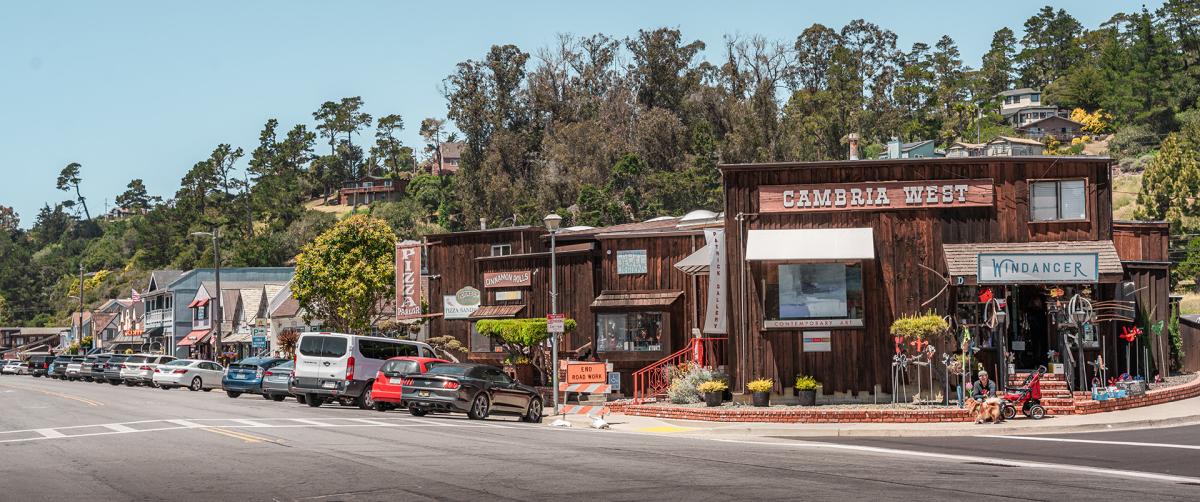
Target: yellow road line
(228,433)
(83,400)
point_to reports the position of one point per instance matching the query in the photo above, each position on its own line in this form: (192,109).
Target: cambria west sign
(876,196)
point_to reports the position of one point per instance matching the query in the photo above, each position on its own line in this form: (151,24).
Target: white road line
(50,433)
(310,422)
(432,422)
(1098,471)
(185,423)
(119,428)
(250,423)
(372,422)
(1096,441)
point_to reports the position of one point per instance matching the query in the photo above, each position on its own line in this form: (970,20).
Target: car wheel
(479,407)
(114,382)
(367,401)
(313,401)
(267,396)
(128,383)
(197,384)
(417,412)
(300,398)
(232,394)
(534,414)
(164,387)
(277,397)
(208,389)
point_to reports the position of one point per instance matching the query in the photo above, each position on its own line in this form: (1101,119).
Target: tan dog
(989,409)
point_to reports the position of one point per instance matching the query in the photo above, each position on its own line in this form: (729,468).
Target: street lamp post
(217,315)
(552,221)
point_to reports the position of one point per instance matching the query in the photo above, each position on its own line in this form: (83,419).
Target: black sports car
(478,390)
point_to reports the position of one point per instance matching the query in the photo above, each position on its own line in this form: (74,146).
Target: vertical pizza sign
(408,280)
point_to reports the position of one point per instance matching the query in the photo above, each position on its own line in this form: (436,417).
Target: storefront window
(1058,200)
(480,343)
(629,332)
(814,291)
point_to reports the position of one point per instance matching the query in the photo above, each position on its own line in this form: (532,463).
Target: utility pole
(552,221)
(79,335)
(217,316)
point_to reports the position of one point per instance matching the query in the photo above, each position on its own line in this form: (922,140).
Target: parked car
(246,376)
(275,382)
(478,390)
(58,367)
(73,367)
(195,374)
(138,369)
(15,367)
(94,371)
(341,367)
(39,365)
(388,388)
(85,368)
(112,368)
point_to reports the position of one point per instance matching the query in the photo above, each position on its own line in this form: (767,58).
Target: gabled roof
(905,147)
(1019,141)
(969,146)
(452,149)
(1052,117)
(1018,92)
(160,279)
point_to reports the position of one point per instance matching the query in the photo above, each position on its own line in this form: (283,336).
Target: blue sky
(147,89)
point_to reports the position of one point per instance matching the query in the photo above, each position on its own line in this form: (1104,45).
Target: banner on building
(716,315)
(408,280)
(1038,268)
(514,279)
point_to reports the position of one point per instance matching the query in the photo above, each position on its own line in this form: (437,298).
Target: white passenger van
(341,367)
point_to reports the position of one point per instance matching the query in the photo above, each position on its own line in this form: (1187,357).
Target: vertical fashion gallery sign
(408,280)
(716,315)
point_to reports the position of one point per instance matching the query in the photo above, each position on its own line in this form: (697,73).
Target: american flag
(136,296)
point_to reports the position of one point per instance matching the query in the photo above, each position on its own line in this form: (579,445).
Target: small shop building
(824,256)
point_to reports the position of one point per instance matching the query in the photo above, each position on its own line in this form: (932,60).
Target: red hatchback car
(387,389)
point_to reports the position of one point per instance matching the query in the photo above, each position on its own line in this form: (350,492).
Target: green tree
(9,220)
(346,276)
(1050,47)
(996,72)
(68,179)
(1171,183)
(389,153)
(522,339)
(135,196)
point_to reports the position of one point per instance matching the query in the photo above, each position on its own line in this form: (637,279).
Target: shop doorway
(1029,339)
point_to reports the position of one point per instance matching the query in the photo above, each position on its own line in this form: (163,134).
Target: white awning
(811,244)
(696,263)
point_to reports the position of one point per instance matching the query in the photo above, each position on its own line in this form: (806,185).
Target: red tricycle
(1028,396)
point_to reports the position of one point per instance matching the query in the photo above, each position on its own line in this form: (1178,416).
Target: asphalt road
(85,441)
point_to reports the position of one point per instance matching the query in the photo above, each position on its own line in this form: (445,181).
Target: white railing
(159,318)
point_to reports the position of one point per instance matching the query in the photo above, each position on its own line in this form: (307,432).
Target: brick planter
(844,415)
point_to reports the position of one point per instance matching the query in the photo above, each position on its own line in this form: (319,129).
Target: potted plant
(714,391)
(806,390)
(761,391)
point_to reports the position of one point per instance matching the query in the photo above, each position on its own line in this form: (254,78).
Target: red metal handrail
(655,378)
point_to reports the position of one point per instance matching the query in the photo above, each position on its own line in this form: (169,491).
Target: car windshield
(179,362)
(116,359)
(136,359)
(400,367)
(449,370)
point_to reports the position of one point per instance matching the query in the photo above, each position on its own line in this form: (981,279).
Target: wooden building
(838,250)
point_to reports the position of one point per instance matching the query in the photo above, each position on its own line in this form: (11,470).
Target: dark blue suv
(246,376)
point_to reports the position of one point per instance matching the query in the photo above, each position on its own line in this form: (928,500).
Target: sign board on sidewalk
(258,338)
(586,373)
(556,323)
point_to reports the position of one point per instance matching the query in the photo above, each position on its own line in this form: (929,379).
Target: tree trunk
(82,202)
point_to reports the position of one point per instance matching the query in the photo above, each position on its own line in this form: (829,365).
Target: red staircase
(654,379)
(1056,396)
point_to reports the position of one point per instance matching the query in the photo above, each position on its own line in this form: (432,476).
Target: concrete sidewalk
(1182,412)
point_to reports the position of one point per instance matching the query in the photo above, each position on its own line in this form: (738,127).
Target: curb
(984,429)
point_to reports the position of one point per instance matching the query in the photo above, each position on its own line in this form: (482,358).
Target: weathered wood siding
(576,289)
(1141,240)
(894,283)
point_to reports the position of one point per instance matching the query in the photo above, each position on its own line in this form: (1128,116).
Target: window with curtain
(1058,200)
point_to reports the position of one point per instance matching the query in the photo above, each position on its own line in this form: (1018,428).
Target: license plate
(423,393)
(241,377)
(329,385)
(396,381)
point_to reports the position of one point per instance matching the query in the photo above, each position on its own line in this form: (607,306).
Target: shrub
(712,386)
(805,382)
(685,383)
(1132,141)
(919,327)
(760,385)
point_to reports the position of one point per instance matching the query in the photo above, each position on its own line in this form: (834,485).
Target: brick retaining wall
(842,415)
